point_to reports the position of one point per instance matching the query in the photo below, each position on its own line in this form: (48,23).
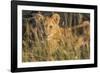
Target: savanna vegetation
(55,36)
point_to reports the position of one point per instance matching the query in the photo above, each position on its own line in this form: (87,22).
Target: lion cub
(55,34)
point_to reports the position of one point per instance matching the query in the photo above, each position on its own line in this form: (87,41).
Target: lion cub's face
(52,24)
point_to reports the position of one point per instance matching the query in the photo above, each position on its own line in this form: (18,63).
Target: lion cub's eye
(50,26)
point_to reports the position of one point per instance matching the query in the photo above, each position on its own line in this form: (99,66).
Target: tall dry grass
(71,47)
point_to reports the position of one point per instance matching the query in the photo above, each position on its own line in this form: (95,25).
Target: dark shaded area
(67,19)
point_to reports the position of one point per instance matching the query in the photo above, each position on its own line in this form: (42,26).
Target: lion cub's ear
(56,18)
